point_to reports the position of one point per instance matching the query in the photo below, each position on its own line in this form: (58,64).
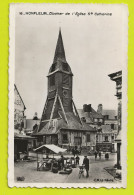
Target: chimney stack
(100,108)
(87,108)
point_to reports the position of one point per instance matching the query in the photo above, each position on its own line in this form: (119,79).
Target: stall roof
(51,147)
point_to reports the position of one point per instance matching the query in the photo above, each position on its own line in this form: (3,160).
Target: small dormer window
(65,67)
(83,119)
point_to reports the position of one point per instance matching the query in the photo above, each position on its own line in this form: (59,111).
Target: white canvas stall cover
(51,147)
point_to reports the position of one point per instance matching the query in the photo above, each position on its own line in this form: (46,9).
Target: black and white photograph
(68,95)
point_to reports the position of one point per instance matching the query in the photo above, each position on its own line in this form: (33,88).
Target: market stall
(46,162)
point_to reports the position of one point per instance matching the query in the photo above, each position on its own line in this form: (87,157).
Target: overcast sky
(95,46)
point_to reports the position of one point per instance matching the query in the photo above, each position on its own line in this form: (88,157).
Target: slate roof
(89,116)
(107,129)
(73,124)
(110,113)
(95,114)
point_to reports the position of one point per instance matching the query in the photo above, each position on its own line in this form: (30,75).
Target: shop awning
(23,137)
(55,149)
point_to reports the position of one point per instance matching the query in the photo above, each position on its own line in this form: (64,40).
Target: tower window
(65,67)
(52,80)
(65,79)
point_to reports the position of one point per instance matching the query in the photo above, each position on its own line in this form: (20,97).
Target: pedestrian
(73,152)
(80,150)
(62,161)
(77,160)
(95,154)
(100,154)
(106,156)
(86,163)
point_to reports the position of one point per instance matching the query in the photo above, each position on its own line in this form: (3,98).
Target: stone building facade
(21,140)
(117,78)
(105,122)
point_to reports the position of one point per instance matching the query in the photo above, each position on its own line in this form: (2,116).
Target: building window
(52,80)
(77,140)
(64,138)
(44,139)
(40,139)
(106,117)
(106,138)
(88,137)
(112,126)
(83,119)
(112,137)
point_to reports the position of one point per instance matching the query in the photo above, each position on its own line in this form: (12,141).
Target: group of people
(85,163)
(99,153)
(77,160)
(85,160)
(76,151)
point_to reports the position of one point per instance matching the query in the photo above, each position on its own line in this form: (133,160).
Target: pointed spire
(59,52)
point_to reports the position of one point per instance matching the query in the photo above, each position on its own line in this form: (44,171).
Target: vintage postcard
(68,95)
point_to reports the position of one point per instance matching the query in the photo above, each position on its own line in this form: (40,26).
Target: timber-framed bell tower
(60,77)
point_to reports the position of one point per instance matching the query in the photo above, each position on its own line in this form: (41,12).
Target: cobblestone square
(97,173)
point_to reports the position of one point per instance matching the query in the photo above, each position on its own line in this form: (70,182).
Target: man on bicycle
(86,163)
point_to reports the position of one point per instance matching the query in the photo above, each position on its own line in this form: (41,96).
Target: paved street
(97,173)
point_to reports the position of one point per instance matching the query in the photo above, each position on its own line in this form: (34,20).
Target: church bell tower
(60,77)
(59,98)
